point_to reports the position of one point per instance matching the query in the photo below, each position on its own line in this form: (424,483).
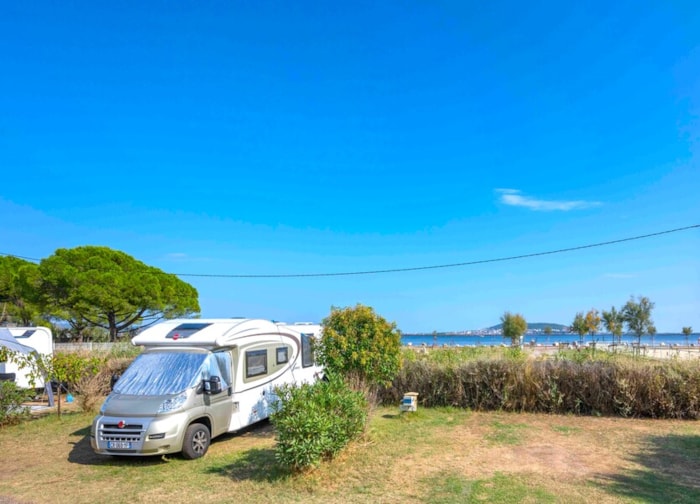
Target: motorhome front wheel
(196,442)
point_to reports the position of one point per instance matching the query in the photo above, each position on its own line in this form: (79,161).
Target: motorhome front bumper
(137,435)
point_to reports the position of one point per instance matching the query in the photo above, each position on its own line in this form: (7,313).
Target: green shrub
(361,346)
(71,367)
(73,371)
(12,398)
(316,421)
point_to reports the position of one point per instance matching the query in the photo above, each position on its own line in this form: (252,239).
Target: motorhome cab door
(220,405)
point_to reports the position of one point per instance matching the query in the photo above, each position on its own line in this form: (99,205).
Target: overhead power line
(439,266)
(20,257)
(420,268)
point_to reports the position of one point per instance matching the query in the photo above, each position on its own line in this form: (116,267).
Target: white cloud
(513,197)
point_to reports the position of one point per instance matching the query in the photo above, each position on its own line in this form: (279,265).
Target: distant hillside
(536,325)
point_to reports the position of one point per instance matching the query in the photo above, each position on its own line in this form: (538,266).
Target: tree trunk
(112,327)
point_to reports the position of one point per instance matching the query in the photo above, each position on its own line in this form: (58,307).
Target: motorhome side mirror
(212,386)
(113,380)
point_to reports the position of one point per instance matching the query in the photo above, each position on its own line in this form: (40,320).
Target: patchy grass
(506,433)
(668,470)
(565,429)
(455,489)
(441,455)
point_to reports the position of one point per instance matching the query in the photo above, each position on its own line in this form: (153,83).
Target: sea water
(662,339)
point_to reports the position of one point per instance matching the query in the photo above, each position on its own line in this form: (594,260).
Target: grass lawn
(433,456)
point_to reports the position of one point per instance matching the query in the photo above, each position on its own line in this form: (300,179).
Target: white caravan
(37,339)
(199,378)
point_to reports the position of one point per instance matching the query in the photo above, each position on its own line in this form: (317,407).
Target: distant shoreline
(673,340)
(485,333)
(657,351)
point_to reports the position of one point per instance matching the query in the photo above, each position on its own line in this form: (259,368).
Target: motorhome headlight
(173,403)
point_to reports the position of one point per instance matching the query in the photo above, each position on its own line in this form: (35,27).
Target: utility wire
(421,268)
(20,257)
(452,265)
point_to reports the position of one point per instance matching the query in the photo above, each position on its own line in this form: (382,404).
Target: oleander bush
(314,422)
(362,347)
(584,386)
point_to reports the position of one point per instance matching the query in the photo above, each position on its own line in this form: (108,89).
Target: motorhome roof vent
(186,330)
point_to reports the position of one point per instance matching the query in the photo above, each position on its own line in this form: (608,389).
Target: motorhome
(28,340)
(199,378)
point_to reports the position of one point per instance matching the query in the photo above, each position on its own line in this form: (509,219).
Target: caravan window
(307,353)
(255,363)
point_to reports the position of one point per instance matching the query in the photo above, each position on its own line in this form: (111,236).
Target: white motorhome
(199,378)
(37,339)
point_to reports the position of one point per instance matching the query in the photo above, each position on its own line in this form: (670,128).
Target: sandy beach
(657,352)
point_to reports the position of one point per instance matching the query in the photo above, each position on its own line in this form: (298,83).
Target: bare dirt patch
(556,448)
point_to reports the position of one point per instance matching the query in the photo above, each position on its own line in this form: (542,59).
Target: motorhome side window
(307,353)
(282,355)
(221,367)
(255,363)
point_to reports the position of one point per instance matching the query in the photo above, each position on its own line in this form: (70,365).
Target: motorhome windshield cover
(160,373)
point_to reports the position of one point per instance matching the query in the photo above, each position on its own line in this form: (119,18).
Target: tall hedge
(629,389)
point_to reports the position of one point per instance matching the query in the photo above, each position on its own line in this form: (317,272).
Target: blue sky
(246,138)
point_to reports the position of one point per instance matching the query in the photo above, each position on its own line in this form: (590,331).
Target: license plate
(118,445)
